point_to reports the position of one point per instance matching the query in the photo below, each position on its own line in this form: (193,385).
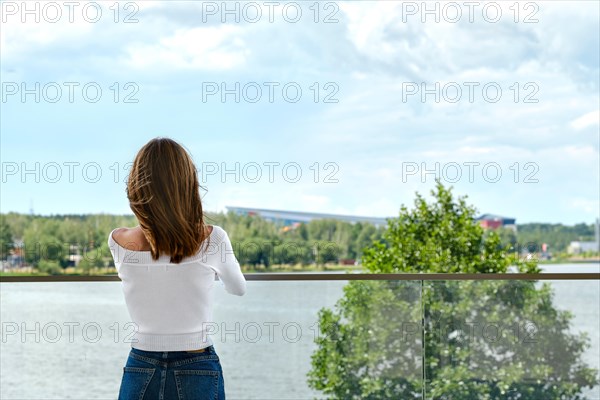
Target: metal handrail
(339,277)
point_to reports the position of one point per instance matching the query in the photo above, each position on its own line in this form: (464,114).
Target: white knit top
(171,304)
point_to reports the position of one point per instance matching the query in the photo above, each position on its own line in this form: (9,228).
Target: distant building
(292,218)
(74,260)
(74,256)
(491,221)
(578,247)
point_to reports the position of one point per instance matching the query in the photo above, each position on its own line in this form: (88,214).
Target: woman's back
(171,304)
(168,265)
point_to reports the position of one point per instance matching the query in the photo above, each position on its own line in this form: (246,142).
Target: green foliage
(439,237)
(49,267)
(471,339)
(369,348)
(6,238)
(257,242)
(260,242)
(54,238)
(508,237)
(557,236)
(91,261)
(508,342)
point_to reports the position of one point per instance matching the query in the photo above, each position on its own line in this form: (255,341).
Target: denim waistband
(208,352)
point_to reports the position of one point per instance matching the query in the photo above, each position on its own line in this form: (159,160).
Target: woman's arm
(223,260)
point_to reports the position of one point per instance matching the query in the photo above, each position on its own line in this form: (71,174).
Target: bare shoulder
(131,239)
(134,239)
(117,234)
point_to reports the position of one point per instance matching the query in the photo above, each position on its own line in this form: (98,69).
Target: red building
(490,221)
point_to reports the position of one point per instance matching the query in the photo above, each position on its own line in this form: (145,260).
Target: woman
(168,265)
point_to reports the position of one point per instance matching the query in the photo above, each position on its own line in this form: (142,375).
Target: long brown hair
(163,192)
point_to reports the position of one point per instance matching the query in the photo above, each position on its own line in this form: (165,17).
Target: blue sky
(530,151)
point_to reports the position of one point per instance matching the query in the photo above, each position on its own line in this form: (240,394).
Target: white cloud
(366,22)
(371,131)
(217,48)
(589,119)
(24,38)
(591,207)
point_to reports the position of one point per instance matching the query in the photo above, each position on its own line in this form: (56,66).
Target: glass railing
(306,336)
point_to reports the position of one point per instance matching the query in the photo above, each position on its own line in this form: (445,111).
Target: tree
(557,236)
(43,242)
(6,238)
(88,263)
(50,267)
(468,339)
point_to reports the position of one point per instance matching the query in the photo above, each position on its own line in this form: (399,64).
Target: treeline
(556,236)
(47,242)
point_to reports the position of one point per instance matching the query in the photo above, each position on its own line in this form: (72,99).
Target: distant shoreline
(571,261)
(293,269)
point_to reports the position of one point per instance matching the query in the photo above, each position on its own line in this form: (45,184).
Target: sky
(333,107)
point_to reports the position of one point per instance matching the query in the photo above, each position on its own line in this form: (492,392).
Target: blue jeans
(172,375)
